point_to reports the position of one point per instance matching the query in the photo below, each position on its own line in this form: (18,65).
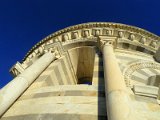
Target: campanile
(90,71)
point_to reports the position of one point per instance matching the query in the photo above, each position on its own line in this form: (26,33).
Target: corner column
(117,100)
(18,85)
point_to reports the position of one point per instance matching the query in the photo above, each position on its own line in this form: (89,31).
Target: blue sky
(25,22)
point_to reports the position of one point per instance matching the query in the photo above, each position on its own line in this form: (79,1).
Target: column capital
(17,69)
(54,50)
(106,40)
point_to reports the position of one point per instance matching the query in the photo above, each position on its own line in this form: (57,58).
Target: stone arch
(141,71)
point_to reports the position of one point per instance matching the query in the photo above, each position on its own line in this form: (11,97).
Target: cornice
(94,25)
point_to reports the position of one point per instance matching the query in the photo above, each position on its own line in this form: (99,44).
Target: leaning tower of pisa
(91,71)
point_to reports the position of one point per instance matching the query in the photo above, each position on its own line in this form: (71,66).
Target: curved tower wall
(98,71)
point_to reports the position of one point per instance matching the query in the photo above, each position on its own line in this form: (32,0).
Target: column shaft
(18,85)
(115,88)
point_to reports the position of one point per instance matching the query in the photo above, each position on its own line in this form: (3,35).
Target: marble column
(117,100)
(19,84)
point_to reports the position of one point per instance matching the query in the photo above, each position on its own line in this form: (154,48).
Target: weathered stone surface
(90,78)
(17,86)
(146,90)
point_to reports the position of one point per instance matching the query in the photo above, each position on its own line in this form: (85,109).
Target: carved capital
(106,40)
(17,69)
(55,49)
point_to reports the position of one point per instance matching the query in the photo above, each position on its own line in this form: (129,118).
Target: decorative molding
(136,43)
(17,69)
(127,73)
(145,90)
(91,30)
(54,48)
(107,40)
